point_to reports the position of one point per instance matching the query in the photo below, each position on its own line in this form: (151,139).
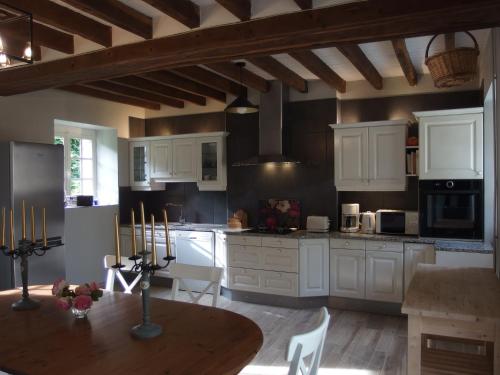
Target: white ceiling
(381,54)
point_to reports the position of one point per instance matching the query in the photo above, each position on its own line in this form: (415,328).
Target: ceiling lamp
(241,105)
(16,39)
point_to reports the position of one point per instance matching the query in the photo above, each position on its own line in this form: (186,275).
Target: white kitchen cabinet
(351,159)
(279,259)
(384,276)
(184,159)
(211,168)
(387,158)
(347,273)
(279,283)
(464,259)
(243,279)
(451,144)
(244,256)
(370,156)
(415,254)
(161,159)
(314,270)
(139,165)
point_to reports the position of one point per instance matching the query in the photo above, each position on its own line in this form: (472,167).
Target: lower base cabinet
(384,276)
(416,254)
(270,282)
(313,267)
(347,275)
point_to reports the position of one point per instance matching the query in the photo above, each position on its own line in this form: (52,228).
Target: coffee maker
(350,218)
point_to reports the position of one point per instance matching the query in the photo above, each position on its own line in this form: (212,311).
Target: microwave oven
(396,222)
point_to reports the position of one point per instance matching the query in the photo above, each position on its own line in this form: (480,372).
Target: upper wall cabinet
(370,156)
(140,168)
(211,163)
(184,159)
(451,144)
(161,159)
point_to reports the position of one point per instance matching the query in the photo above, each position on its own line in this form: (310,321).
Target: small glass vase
(79,314)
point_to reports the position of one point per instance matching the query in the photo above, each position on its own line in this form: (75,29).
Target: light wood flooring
(357,343)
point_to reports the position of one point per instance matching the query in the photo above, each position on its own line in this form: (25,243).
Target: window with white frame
(79,160)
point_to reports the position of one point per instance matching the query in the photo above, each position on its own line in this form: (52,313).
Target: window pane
(75,147)
(75,187)
(87,148)
(58,140)
(87,187)
(87,169)
(75,168)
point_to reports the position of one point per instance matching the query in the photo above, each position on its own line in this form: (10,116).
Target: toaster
(318,224)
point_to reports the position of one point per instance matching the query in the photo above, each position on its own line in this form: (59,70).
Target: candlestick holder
(24,250)
(147,329)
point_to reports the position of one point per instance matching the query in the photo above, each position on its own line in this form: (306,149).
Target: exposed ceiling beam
(213,80)
(158,88)
(351,23)
(279,71)
(184,11)
(404,59)
(242,9)
(118,14)
(357,58)
(134,93)
(170,79)
(53,39)
(65,19)
(316,66)
(247,78)
(304,4)
(88,91)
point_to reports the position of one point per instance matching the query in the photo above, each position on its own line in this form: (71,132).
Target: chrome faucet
(181,219)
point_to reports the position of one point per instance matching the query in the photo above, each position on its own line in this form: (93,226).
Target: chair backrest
(308,344)
(115,273)
(180,272)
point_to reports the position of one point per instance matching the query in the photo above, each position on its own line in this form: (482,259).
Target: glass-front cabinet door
(212,163)
(139,164)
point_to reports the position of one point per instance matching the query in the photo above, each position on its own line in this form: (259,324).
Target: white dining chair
(181,272)
(306,345)
(113,274)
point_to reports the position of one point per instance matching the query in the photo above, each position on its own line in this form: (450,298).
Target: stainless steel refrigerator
(33,172)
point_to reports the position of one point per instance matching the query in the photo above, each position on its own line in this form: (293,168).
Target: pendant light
(241,105)
(15,37)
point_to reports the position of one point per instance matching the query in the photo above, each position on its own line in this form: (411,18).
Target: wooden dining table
(196,339)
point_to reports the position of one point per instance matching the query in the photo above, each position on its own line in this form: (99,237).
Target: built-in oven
(451,209)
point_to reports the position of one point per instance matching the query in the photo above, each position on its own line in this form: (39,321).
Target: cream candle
(153,242)
(143,228)
(132,230)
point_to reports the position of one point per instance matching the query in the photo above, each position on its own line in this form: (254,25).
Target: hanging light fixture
(16,30)
(241,105)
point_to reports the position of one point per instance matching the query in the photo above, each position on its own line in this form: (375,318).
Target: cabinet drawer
(278,259)
(244,256)
(339,243)
(384,246)
(286,243)
(243,279)
(280,283)
(244,240)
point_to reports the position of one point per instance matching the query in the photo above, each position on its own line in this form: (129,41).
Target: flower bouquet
(79,299)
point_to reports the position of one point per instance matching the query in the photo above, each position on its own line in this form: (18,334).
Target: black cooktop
(265,230)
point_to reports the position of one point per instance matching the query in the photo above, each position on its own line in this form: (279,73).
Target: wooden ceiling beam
(95,93)
(304,4)
(158,88)
(53,39)
(357,58)
(116,88)
(279,71)
(404,59)
(118,14)
(65,19)
(347,24)
(242,9)
(211,79)
(318,67)
(247,78)
(173,80)
(184,11)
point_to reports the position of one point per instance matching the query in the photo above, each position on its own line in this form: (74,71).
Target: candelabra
(24,250)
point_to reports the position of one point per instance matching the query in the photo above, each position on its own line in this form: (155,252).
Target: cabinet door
(384,276)
(280,283)
(347,273)
(278,259)
(451,147)
(184,160)
(351,159)
(244,256)
(314,268)
(161,159)
(414,255)
(139,164)
(387,158)
(211,168)
(244,279)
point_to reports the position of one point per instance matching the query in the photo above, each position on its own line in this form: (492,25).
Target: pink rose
(82,302)
(63,303)
(59,286)
(82,290)
(93,286)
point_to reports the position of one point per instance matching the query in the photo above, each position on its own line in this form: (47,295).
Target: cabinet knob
(346,243)
(384,246)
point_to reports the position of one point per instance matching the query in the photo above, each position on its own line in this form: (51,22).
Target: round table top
(196,339)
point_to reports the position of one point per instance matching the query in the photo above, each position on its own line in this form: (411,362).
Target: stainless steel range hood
(270,128)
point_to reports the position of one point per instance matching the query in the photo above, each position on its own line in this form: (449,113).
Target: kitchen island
(453,308)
